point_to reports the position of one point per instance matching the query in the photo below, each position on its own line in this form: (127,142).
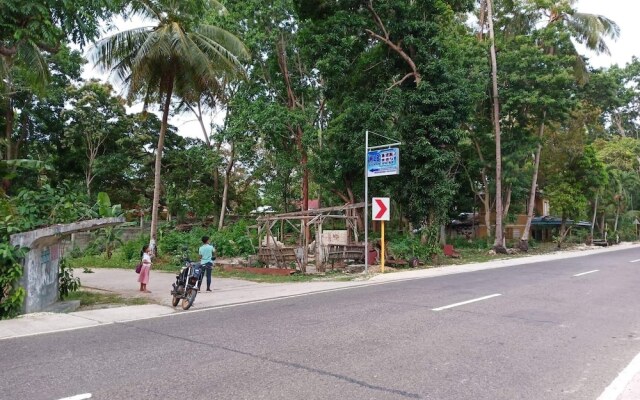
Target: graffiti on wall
(49,263)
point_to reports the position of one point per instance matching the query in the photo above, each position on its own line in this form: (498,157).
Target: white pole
(366,202)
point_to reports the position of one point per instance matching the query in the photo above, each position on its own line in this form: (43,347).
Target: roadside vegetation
(93,299)
(494,104)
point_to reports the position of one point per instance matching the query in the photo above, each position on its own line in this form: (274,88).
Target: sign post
(377,163)
(380,212)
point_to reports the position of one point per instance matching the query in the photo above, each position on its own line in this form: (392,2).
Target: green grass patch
(90,299)
(471,254)
(118,260)
(335,276)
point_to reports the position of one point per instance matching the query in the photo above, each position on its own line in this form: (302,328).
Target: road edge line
(615,388)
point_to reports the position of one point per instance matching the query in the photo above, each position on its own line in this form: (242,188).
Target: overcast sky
(624,12)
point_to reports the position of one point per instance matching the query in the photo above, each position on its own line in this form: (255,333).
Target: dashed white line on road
(588,272)
(634,261)
(466,302)
(83,396)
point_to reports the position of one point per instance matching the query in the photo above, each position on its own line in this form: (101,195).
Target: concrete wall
(41,277)
(82,240)
(42,261)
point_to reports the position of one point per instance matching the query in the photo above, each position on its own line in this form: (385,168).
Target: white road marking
(588,272)
(466,302)
(615,389)
(638,260)
(78,397)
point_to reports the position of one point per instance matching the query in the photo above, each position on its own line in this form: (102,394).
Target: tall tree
(32,29)
(93,116)
(498,245)
(175,56)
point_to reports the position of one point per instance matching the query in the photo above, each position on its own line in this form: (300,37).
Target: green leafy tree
(405,70)
(31,30)
(93,116)
(572,174)
(175,56)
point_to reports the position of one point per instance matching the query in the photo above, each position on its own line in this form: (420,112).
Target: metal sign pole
(366,202)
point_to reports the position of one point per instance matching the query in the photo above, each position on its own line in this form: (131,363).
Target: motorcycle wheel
(176,299)
(189,298)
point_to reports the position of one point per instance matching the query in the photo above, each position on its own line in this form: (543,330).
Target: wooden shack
(312,243)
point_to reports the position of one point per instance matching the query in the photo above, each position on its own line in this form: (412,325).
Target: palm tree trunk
(8,129)
(498,245)
(158,166)
(524,239)
(227,179)
(593,221)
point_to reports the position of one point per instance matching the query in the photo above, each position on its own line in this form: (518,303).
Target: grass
(171,264)
(336,276)
(90,299)
(164,263)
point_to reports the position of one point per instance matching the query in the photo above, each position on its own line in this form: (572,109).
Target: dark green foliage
(11,295)
(67,282)
(409,247)
(233,241)
(131,248)
(48,205)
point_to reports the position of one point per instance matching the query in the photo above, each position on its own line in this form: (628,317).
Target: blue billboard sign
(383,162)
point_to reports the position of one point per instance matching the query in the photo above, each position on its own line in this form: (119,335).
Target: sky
(623,12)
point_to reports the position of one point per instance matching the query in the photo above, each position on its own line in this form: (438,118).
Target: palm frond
(38,71)
(145,10)
(592,29)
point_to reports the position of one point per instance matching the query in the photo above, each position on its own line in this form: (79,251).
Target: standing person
(145,254)
(207,256)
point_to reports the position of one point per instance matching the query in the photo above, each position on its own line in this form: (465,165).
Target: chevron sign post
(380,212)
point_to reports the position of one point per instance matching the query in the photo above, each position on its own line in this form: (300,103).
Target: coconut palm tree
(175,56)
(590,30)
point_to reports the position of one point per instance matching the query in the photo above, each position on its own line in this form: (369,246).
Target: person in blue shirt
(207,256)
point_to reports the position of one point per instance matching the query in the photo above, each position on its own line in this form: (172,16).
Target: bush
(577,236)
(476,244)
(232,241)
(408,247)
(131,249)
(68,283)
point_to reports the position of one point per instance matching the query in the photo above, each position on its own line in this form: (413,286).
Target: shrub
(476,244)
(232,241)
(131,249)
(407,247)
(68,283)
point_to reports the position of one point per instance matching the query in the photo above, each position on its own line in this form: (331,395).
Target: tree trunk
(615,225)
(498,245)
(524,239)
(158,166)
(227,179)
(593,220)
(507,202)
(563,231)
(486,197)
(8,129)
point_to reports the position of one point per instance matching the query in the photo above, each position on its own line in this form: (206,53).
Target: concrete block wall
(42,261)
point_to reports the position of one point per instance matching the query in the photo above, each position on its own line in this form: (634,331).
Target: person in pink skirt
(145,254)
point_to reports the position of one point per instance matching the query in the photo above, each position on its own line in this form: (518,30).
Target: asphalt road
(534,332)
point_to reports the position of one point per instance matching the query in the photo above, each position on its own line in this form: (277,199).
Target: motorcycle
(187,283)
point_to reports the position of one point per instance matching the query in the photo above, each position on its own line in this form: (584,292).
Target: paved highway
(562,329)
